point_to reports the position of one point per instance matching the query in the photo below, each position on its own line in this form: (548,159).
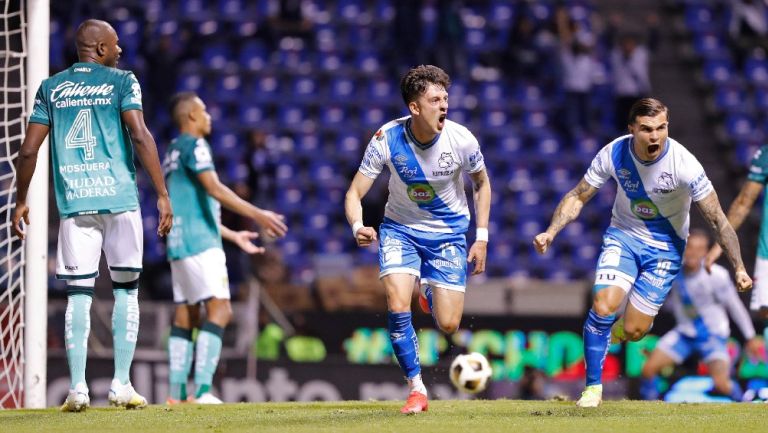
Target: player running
(643,247)
(701,302)
(426,215)
(94,115)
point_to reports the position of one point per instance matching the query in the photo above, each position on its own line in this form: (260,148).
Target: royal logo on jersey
(421,193)
(644,209)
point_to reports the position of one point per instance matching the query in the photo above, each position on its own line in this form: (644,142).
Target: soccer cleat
(417,402)
(591,397)
(423,302)
(207,398)
(77,399)
(125,396)
(617,331)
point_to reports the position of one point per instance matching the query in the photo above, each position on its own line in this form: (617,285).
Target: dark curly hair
(646,107)
(416,81)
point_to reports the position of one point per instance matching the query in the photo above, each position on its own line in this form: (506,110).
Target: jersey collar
(409,134)
(646,163)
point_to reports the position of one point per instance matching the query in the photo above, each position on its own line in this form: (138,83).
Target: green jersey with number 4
(91,151)
(196,215)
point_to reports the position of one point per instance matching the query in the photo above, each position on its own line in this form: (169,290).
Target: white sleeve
(472,159)
(600,169)
(727,295)
(694,177)
(375,155)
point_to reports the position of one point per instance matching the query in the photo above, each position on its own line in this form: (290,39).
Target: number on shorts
(81,134)
(662,267)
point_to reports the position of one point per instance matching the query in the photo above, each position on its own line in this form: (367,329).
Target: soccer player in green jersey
(740,208)
(198,265)
(93,113)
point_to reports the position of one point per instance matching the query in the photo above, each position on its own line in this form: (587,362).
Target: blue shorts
(679,346)
(644,271)
(438,259)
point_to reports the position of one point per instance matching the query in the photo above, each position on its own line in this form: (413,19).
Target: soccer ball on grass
(470,372)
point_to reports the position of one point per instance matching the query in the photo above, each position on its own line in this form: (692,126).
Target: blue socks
(736,392)
(649,389)
(125,327)
(180,350)
(77,326)
(404,343)
(207,352)
(597,335)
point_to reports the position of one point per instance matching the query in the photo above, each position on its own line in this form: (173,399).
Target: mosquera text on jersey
(91,151)
(426,188)
(653,199)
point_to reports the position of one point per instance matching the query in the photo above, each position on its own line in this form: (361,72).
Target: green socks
(125,327)
(77,326)
(207,350)
(180,358)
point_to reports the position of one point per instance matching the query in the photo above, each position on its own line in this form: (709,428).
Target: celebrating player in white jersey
(426,215)
(701,302)
(643,247)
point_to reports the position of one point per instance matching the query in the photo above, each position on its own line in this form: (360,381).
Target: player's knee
(603,308)
(634,333)
(449,326)
(219,312)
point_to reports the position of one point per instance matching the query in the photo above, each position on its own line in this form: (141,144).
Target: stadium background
(296,89)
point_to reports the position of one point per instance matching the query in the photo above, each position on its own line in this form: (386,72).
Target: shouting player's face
(650,135)
(200,117)
(429,111)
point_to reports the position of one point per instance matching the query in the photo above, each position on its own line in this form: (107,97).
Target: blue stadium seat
(711,46)
(303,89)
(720,72)
(342,89)
(253,56)
(251,115)
(267,89)
(756,71)
(229,88)
(291,117)
(700,18)
(216,55)
(367,61)
(372,118)
(740,126)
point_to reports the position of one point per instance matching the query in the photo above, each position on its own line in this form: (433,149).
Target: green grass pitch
(369,417)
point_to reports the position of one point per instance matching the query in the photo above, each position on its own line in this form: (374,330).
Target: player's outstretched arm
(737,213)
(478,252)
(146,149)
(242,239)
(353,208)
(273,223)
(726,237)
(567,210)
(25,168)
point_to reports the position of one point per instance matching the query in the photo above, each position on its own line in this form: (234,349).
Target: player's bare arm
(25,168)
(725,236)
(478,252)
(272,222)
(737,213)
(353,208)
(146,149)
(242,239)
(567,210)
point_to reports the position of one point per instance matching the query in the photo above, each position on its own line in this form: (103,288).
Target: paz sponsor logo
(644,209)
(421,193)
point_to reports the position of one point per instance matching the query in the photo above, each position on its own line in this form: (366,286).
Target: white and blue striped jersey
(701,303)
(653,200)
(426,187)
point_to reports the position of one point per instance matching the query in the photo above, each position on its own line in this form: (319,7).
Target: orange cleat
(424,304)
(417,402)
